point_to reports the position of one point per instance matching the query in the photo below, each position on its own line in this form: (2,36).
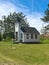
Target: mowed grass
(24,54)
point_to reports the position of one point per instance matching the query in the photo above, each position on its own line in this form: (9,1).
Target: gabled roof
(29,30)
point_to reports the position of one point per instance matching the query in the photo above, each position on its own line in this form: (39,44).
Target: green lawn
(24,54)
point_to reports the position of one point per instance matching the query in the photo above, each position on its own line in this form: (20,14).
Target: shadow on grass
(32,43)
(28,43)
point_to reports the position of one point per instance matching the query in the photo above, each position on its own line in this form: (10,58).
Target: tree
(43,30)
(9,22)
(1,30)
(1,25)
(46,19)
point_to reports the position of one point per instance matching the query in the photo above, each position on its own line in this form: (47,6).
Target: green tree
(9,22)
(46,19)
(1,25)
(1,29)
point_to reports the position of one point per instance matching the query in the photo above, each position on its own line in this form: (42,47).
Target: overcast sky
(33,9)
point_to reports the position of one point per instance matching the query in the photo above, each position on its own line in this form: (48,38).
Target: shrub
(44,39)
(4,36)
(0,36)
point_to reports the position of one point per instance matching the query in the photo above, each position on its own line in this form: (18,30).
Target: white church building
(26,34)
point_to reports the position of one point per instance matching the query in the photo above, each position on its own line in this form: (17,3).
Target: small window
(21,35)
(35,36)
(31,36)
(27,36)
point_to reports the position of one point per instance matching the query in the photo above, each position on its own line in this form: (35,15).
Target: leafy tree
(43,30)
(1,25)
(1,29)
(9,22)
(46,19)
(0,36)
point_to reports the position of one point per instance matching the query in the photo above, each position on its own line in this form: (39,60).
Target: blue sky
(32,5)
(33,9)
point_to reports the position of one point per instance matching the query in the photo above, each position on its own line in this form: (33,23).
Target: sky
(33,9)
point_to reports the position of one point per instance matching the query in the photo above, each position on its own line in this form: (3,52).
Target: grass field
(24,54)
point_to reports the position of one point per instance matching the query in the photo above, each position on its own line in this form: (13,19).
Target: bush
(8,36)
(4,36)
(11,35)
(0,37)
(44,39)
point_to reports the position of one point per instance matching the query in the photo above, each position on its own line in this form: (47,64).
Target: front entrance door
(16,36)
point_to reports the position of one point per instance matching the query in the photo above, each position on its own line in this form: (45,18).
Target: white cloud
(6,8)
(35,21)
(33,18)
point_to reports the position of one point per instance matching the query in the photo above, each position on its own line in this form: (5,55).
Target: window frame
(31,36)
(27,36)
(35,36)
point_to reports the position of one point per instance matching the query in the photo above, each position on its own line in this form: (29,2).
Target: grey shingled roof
(29,30)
